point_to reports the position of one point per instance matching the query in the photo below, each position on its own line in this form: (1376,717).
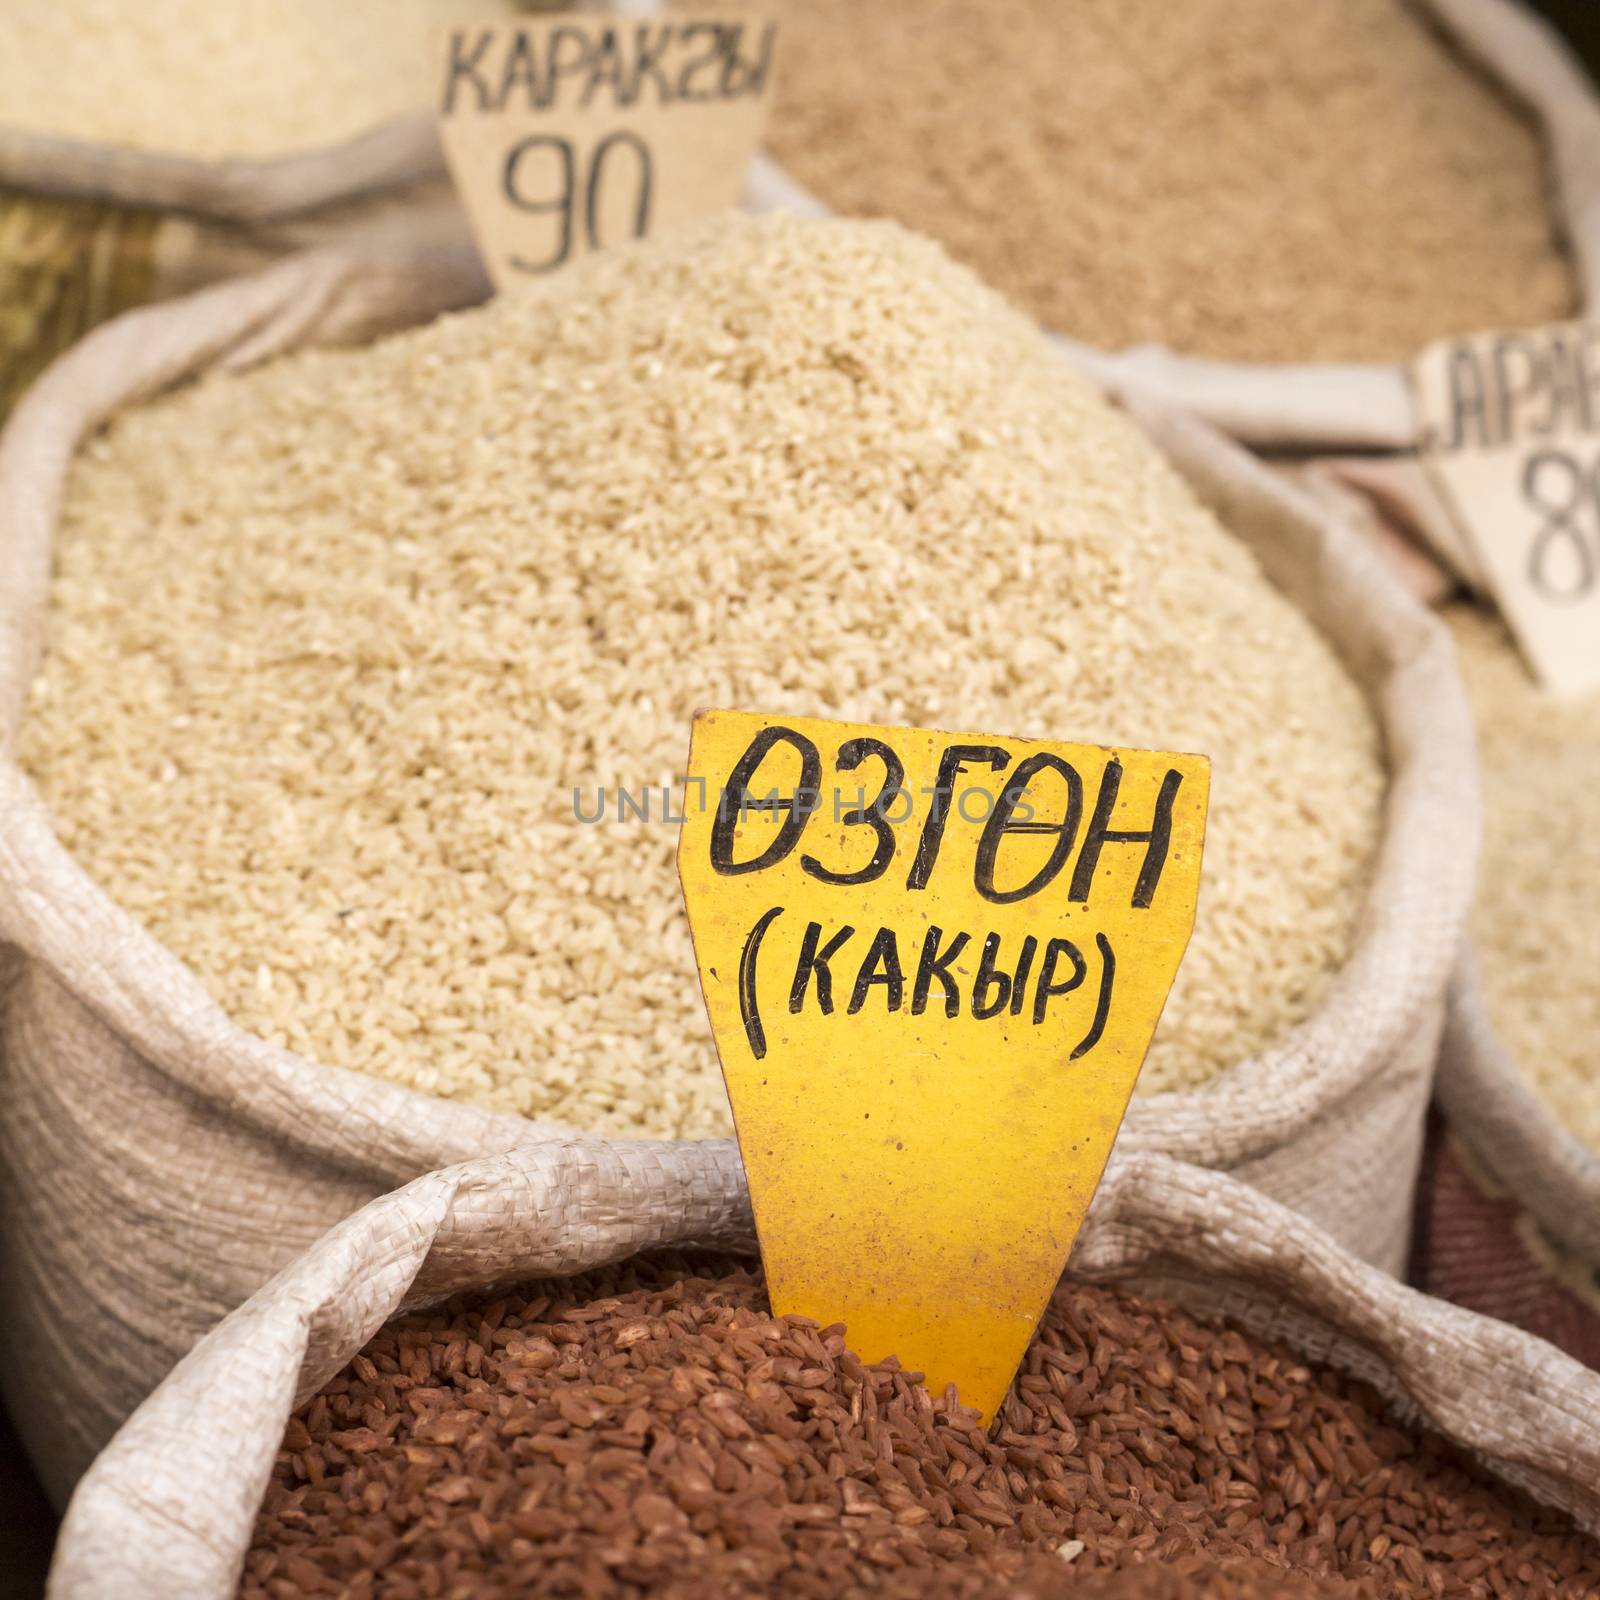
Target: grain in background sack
(1294,403)
(179,1487)
(1367,191)
(244,1153)
(1362,417)
(147,151)
(1509,1212)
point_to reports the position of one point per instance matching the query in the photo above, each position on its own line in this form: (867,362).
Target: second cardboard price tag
(574,133)
(1509,429)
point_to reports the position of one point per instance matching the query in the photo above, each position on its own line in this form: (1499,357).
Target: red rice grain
(651,1430)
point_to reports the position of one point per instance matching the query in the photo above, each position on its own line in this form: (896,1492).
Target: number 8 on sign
(1566,546)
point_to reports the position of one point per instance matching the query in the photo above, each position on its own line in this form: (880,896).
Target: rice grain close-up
(337,648)
(1324,181)
(651,1429)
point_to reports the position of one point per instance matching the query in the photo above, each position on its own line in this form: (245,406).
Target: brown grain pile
(1536,922)
(1188,1578)
(332,645)
(651,1430)
(1248,179)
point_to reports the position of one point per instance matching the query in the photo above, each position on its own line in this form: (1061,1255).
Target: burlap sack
(1329,407)
(1490,1104)
(1329,1121)
(1508,1205)
(169,1506)
(89,230)
(157,1163)
(1509,1200)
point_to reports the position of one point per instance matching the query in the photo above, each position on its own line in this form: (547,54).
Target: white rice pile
(1536,923)
(333,642)
(210,79)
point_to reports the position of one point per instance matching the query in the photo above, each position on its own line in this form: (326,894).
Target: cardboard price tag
(572,133)
(1510,433)
(933,963)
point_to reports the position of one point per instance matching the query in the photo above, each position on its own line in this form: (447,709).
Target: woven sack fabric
(88,230)
(1508,1207)
(158,1164)
(177,1490)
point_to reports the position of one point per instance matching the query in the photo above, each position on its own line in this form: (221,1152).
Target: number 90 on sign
(594,194)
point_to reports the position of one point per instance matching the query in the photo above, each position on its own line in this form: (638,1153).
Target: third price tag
(1510,432)
(933,963)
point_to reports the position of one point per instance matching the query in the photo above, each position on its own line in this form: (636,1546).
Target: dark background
(27,1526)
(1580,21)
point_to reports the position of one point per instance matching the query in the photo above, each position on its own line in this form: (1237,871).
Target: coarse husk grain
(1536,923)
(653,1430)
(250,78)
(1230,178)
(442,583)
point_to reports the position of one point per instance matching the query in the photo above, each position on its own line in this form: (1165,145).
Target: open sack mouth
(364,689)
(1217,1401)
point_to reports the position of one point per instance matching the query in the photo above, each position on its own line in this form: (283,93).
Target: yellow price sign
(933,963)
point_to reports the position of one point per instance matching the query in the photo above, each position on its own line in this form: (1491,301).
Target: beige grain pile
(334,642)
(1235,178)
(1537,919)
(226,78)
